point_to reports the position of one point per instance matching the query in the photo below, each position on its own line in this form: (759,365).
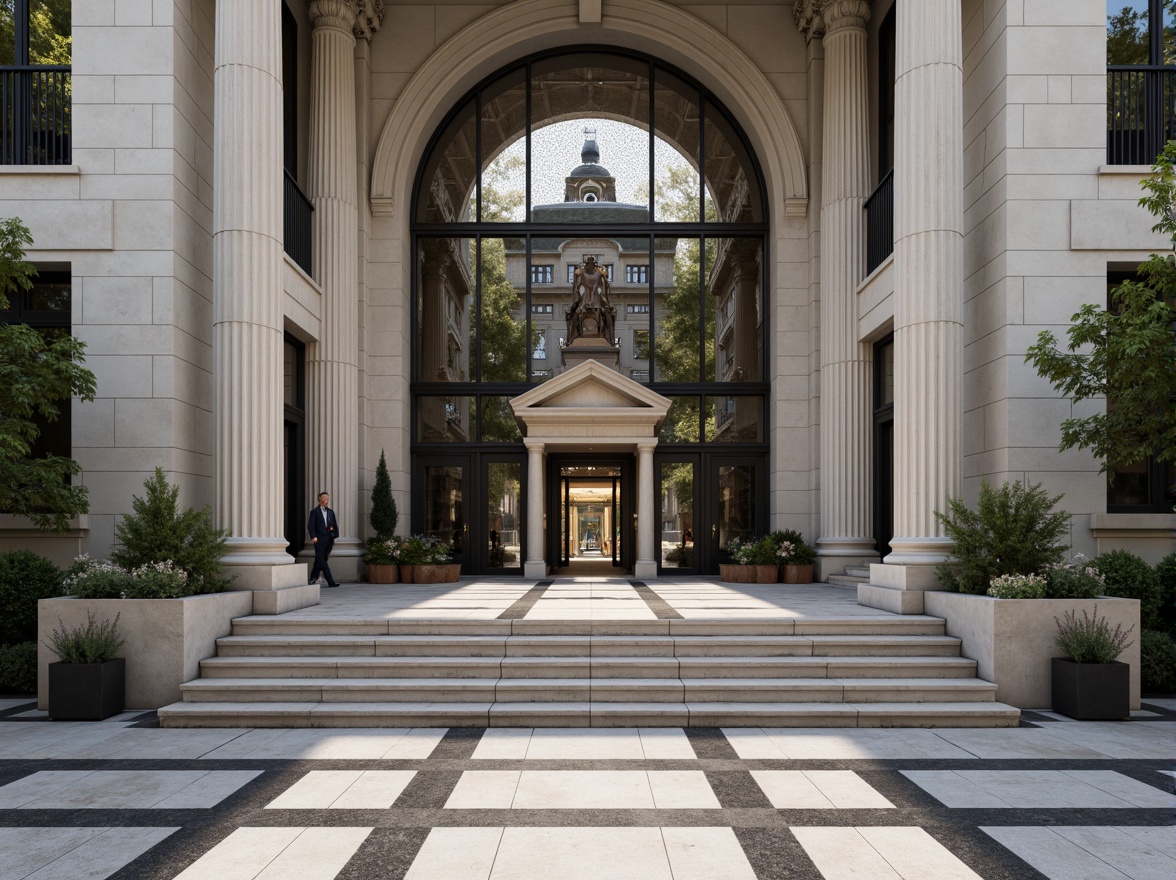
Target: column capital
(535,446)
(646,448)
(362,18)
(841,14)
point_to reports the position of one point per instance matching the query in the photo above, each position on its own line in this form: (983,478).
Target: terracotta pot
(737,574)
(383,573)
(766,574)
(407,575)
(796,574)
(436,574)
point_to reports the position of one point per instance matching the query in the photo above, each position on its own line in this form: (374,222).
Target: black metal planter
(1091,691)
(87,691)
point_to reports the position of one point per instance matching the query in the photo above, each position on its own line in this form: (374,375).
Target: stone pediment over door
(590,403)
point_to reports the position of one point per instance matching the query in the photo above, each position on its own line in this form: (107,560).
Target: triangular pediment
(593,401)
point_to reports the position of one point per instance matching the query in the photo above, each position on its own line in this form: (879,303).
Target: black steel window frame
(35,102)
(637,274)
(542,273)
(1141,101)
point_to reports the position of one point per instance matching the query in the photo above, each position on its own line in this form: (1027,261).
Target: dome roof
(590,157)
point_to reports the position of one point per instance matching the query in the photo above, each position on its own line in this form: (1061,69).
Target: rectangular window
(637,274)
(571,272)
(641,345)
(637,309)
(35,56)
(541,308)
(542,274)
(539,352)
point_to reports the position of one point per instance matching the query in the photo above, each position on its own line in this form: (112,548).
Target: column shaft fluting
(846,478)
(646,566)
(928,265)
(332,363)
(535,567)
(247,286)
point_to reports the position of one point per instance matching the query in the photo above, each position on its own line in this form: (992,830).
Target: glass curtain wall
(589,204)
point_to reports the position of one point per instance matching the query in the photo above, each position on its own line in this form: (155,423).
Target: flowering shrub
(791,548)
(99,579)
(1091,639)
(383,552)
(1017,586)
(424,550)
(1074,579)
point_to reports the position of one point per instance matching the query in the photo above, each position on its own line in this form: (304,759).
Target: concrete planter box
(1012,640)
(165,639)
(1091,691)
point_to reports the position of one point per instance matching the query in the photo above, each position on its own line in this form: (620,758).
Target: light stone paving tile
(456,854)
(1162,702)
(681,790)
(73,853)
(1116,847)
(916,855)
(147,743)
(846,790)
(1161,838)
(316,854)
(484,790)
(1053,855)
(554,743)
(317,790)
(1026,742)
(579,854)
(835,744)
(1131,790)
(208,790)
(666,743)
(790,790)
(951,790)
(374,790)
(342,744)
(503,743)
(706,854)
(40,784)
(751,743)
(1115,740)
(843,854)
(583,790)
(242,855)
(417,744)
(130,789)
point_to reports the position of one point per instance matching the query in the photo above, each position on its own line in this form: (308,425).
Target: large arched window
(589,164)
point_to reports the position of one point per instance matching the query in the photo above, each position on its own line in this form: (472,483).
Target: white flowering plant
(101,579)
(1017,586)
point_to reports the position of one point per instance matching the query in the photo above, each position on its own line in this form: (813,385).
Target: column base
(535,570)
(645,570)
(346,560)
(898,588)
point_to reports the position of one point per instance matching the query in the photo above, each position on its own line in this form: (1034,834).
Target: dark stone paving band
(525,602)
(659,606)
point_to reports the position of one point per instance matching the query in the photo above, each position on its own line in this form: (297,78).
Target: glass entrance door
(589,522)
(500,529)
(443,490)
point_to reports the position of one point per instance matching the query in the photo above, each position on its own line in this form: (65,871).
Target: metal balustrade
(36,107)
(880,223)
(1141,112)
(297,231)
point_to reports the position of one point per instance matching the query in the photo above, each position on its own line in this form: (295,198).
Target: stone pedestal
(590,350)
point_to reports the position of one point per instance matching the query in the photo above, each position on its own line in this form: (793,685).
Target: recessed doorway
(590,523)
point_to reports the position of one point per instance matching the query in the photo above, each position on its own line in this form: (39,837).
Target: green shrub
(422,550)
(1167,572)
(1129,577)
(1157,662)
(1091,639)
(157,532)
(1074,580)
(1017,586)
(384,516)
(18,668)
(96,642)
(1011,532)
(25,577)
(801,553)
(381,551)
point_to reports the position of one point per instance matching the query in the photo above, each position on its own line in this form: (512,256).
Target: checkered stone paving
(124,799)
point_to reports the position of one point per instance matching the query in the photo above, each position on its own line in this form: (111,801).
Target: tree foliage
(49,31)
(1011,531)
(157,530)
(39,373)
(1125,354)
(384,516)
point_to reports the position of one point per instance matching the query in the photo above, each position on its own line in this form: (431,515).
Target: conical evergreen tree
(384,515)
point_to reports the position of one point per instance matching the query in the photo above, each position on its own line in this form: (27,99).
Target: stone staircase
(854,576)
(854,672)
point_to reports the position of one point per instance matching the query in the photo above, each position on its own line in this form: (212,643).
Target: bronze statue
(591,315)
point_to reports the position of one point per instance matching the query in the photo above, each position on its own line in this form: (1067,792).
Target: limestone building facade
(281,227)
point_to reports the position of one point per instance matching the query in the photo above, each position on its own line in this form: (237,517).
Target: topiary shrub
(384,516)
(1011,531)
(25,577)
(157,532)
(18,668)
(1167,572)
(1129,577)
(1157,662)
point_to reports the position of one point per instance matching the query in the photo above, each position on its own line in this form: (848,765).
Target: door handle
(714,530)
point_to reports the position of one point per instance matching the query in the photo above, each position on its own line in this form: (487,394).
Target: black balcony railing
(297,224)
(35,102)
(1141,113)
(880,223)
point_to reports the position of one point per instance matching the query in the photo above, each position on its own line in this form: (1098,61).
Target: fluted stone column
(646,565)
(247,297)
(535,567)
(846,365)
(928,298)
(332,363)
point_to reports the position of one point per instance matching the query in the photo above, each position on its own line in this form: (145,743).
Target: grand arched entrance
(589,207)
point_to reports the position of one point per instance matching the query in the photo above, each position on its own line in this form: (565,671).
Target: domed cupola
(590,181)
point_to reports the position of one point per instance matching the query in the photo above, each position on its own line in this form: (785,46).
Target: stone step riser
(910,625)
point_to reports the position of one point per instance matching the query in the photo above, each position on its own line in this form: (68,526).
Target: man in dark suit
(323,529)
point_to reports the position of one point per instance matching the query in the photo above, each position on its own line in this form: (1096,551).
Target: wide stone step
(288,645)
(588,714)
(913,624)
(562,690)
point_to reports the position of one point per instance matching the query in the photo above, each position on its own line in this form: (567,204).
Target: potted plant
(795,556)
(755,562)
(382,558)
(427,560)
(88,683)
(1089,683)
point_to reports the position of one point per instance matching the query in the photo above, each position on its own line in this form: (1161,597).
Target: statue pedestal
(583,349)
